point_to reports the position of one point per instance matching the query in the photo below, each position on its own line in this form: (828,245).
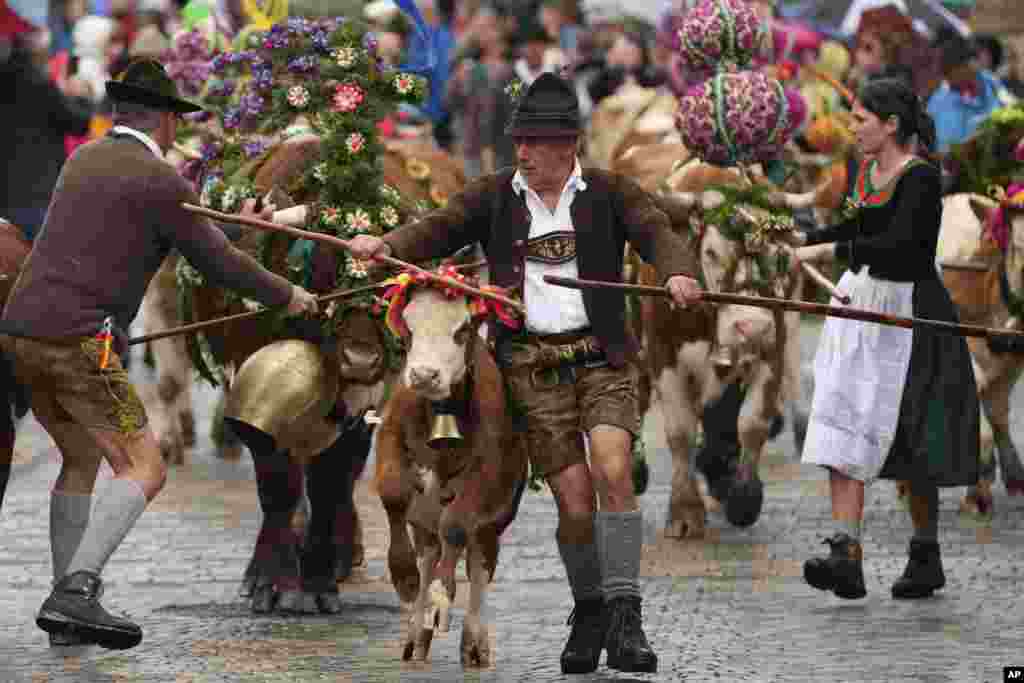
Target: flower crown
(397,297)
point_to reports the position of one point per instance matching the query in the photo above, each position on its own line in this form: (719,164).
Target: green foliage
(987,159)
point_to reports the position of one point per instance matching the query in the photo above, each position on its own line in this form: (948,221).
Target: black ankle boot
(73,608)
(842,572)
(923,575)
(582,653)
(628,649)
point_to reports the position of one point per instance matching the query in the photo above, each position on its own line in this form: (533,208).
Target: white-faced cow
(458,497)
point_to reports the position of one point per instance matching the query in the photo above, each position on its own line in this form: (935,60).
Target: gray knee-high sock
(930,531)
(583,567)
(115,514)
(69,515)
(621,541)
(853,529)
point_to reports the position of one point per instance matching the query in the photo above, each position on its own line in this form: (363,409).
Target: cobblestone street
(731,608)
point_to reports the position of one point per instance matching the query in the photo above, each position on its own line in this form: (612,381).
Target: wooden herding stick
(798,306)
(339,243)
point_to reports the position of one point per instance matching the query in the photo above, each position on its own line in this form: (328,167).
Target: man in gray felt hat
(114,216)
(549,216)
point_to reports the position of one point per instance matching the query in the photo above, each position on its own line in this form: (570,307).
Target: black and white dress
(890,402)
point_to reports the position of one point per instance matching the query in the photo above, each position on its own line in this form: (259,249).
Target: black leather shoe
(73,608)
(923,575)
(67,640)
(625,641)
(842,572)
(582,653)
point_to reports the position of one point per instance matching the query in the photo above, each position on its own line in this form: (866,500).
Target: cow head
(438,324)
(1004,224)
(737,255)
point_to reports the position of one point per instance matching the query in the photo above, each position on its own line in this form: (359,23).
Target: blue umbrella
(35,12)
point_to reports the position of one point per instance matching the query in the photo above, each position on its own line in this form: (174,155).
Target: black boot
(628,649)
(74,608)
(923,575)
(842,572)
(583,651)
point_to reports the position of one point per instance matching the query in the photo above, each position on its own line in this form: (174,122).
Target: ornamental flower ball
(721,35)
(743,117)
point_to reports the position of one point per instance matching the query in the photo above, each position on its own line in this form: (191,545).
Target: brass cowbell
(444,428)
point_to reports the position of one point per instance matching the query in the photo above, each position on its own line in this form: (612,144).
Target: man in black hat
(548,216)
(114,216)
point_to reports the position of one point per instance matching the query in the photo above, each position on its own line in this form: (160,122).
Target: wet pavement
(731,608)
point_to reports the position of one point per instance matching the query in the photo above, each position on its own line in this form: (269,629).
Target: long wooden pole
(339,243)
(798,306)
(195,327)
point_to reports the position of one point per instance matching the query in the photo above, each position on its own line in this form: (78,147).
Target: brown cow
(14,249)
(456,499)
(694,356)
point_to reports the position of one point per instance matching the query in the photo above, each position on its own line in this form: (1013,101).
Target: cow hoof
(688,523)
(327,602)
(418,646)
(293,601)
(475,648)
(744,502)
(263,599)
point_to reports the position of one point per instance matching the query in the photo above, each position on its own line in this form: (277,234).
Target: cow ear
(983,207)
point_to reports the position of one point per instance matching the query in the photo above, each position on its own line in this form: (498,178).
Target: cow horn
(294,216)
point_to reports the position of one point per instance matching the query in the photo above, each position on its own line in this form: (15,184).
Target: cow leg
(746,493)
(686,512)
(997,407)
(425,610)
(227,444)
(274,570)
(475,646)
(348,532)
(977,500)
(396,488)
(329,541)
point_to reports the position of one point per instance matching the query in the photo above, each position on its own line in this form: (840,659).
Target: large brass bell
(444,429)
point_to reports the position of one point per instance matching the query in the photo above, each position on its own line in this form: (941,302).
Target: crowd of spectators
(53,97)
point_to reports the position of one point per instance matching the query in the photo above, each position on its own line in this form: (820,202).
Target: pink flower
(354,143)
(1018,153)
(348,97)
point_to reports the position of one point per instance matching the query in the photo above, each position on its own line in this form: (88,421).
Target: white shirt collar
(575,181)
(141,137)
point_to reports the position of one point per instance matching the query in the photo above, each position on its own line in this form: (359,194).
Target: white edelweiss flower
(251,305)
(227,201)
(358,269)
(390,193)
(345,57)
(320,172)
(388,216)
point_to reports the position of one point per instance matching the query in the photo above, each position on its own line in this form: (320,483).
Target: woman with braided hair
(890,403)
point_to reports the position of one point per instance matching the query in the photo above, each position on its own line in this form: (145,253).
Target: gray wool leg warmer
(583,567)
(851,529)
(620,540)
(116,512)
(69,515)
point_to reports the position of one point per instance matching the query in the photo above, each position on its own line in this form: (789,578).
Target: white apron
(860,371)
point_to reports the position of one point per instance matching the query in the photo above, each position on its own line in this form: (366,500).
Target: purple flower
(298,25)
(198,116)
(321,42)
(253,148)
(303,65)
(264,80)
(275,40)
(251,104)
(221,88)
(232,117)
(210,151)
(370,42)
(220,63)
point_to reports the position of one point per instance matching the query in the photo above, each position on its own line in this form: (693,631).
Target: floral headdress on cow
(396,297)
(317,76)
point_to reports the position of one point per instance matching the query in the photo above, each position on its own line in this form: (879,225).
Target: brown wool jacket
(610,212)
(114,216)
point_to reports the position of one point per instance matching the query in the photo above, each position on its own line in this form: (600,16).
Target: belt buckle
(546,378)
